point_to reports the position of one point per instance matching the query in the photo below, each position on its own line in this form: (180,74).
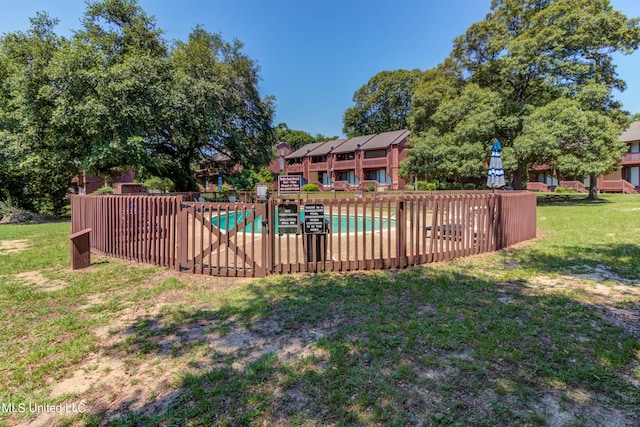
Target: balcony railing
(321,166)
(344,164)
(296,167)
(380,162)
(537,186)
(631,158)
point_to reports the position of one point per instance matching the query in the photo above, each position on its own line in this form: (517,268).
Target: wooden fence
(254,239)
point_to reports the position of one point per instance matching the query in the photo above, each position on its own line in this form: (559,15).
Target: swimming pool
(227,221)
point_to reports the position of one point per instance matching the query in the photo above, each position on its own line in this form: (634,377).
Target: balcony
(295,167)
(344,164)
(631,159)
(320,166)
(380,162)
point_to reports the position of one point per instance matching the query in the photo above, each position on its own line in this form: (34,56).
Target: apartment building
(353,163)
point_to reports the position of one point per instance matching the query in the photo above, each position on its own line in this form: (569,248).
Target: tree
(295,138)
(635,117)
(36,169)
(382,105)
(529,54)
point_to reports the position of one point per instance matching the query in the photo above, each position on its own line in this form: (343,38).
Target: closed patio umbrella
(496,173)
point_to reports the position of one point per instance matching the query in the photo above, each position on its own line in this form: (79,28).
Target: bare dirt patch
(39,282)
(13,246)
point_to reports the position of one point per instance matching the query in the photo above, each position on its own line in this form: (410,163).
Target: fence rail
(249,240)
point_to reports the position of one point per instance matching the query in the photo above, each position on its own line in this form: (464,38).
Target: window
(318,159)
(346,156)
(635,147)
(375,154)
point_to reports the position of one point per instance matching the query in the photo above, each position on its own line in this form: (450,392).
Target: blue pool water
(228,221)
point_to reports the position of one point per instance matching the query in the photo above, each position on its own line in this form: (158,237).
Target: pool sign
(262,191)
(288,218)
(289,184)
(314,222)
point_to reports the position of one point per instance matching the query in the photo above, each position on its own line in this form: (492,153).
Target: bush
(408,187)
(310,187)
(103,190)
(421,186)
(432,186)
(469,186)
(444,185)
(161,184)
(371,188)
(457,186)
(562,190)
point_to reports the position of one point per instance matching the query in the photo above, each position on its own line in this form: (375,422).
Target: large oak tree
(529,57)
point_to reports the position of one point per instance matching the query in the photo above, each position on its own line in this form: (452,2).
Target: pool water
(228,221)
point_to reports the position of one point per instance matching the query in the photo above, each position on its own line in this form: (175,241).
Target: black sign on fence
(288,218)
(289,184)
(314,222)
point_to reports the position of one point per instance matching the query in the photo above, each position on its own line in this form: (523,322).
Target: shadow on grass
(417,347)
(571,200)
(619,262)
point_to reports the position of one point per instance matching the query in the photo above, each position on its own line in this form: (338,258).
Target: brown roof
(632,133)
(384,140)
(305,151)
(353,144)
(327,148)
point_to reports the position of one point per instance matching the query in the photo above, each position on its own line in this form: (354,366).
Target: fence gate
(224,239)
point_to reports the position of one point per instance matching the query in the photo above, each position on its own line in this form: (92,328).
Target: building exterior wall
(353,167)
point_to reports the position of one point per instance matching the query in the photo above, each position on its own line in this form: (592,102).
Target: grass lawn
(544,333)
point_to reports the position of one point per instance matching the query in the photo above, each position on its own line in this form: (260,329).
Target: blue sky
(314,54)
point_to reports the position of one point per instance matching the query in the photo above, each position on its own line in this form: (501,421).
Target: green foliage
(457,186)
(115,97)
(469,186)
(7,207)
(431,186)
(421,185)
(103,190)
(563,190)
(295,138)
(371,188)
(505,78)
(382,105)
(310,187)
(443,185)
(160,184)
(246,179)
(409,187)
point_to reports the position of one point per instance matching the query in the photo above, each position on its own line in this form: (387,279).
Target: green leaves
(538,76)
(382,105)
(116,97)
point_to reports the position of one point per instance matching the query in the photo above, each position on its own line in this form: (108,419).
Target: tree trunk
(518,177)
(593,187)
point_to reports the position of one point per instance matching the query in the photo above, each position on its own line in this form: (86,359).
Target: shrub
(104,190)
(421,186)
(469,186)
(457,186)
(157,183)
(371,188)
(432,186)
(310,187)
(408,187)
(562,190)
(444,185)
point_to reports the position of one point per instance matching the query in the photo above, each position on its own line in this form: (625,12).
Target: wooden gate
(224,239)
